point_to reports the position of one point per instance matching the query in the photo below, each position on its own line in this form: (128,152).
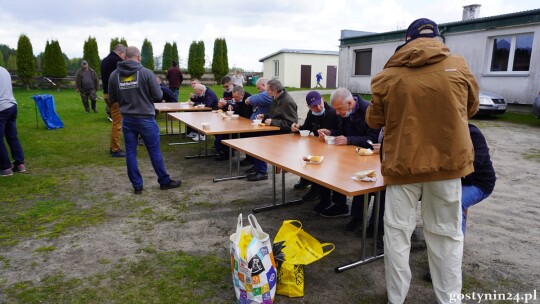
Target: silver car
(536,106)
(491,103)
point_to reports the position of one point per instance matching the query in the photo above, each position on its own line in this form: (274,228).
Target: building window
(511,53)
(362,62)
(276,68)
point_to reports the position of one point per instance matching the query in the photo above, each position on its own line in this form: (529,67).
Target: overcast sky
(252,29)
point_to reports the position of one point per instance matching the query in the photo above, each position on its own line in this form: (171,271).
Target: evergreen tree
(219,61)
(11,64)
(7,51)
(26,65)
(2,61)
(175,56)
(196,59)
(54,64)
(147,54)
(91,54)
(115,41)
(167,57)
(44,59)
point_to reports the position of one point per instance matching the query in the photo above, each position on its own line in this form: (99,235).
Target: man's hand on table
(341,140)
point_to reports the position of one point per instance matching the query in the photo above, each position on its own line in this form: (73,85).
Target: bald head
(133,53)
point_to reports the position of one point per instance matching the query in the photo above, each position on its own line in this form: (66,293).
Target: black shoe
(321,206)
(353,224)
(222,156)
(119,153)
(427,277)
(336,211)
(250,170)
(245,162)
(138,190)
(259,176)
(312,195)
(171,185)
(302,184)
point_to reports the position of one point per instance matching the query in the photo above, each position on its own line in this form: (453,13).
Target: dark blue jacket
(483,176)
(355,127)
(209,99)
(168,95)
(326,121)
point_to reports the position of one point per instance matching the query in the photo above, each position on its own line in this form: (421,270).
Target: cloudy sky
(252,29)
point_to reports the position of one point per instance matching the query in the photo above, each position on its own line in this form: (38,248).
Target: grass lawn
(49,202)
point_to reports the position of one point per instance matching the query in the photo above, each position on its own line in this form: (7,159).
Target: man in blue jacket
(352,130)
(168,95)
(135,88)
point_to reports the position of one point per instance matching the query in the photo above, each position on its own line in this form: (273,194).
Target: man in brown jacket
(423,98)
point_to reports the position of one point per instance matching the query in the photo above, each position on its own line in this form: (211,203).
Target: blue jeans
(470,196)
(8,129)
(148,129)
(259,165)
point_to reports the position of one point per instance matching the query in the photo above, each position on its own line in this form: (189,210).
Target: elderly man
(283,113)
(352,130)
(238,105)
(320,116)
(87,83)
(137,96)
(168,95)
(426,150)
(205,96)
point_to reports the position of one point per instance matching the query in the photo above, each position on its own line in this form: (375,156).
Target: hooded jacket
(424,97)
(135,88)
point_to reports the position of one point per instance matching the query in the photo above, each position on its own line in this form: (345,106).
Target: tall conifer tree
(26,65)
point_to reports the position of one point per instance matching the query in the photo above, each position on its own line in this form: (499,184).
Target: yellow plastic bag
(299,249)
(245,239)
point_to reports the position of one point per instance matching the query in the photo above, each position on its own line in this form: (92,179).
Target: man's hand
(323,131)
(268,121)
(295,127)
(341,140)
(221,103)
(248,101)
(260,116)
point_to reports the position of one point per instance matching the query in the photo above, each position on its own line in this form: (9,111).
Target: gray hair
(262,80)
(200,86)
(340,94)
(132,52)
(238,89)
(275,85)
(119,48)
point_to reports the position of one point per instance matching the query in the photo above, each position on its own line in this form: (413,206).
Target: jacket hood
(419,52)
(128,67)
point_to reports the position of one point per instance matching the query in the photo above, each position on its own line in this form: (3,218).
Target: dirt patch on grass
(501,245)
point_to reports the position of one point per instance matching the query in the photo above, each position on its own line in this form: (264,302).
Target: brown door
(331,75)
(305,76)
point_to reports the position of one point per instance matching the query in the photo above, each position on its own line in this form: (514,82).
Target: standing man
(108,65)
(136,89)
(87,83)
(427,149)
(175,78)
(8,128)
(283,114)
(319,78)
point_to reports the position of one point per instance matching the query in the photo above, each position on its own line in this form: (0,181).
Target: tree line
(53,63)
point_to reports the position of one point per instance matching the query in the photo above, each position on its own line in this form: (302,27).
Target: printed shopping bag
(298,248)
(254,272)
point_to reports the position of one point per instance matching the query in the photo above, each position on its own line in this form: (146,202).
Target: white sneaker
(199,138)
(191,134)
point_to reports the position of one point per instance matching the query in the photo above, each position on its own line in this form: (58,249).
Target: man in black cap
(423,98)
(87,83)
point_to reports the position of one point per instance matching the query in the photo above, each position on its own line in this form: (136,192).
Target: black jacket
(483,176)
(108,65)
(168,95)
(326,121)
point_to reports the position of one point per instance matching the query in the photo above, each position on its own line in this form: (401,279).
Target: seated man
(319,116)
(239,107)
(168,95)
(283,113)
(352,130)
(208,98)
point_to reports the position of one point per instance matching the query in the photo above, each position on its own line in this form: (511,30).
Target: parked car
(536,106)
(491,103)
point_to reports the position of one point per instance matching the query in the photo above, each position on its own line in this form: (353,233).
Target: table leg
(283,199)
(200,148)
(374,257)
(186,142)
(231,177)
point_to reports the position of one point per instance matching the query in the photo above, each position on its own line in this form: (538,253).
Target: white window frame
(276,68)
(509,71)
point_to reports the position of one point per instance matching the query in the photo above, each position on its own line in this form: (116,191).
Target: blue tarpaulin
(45,104)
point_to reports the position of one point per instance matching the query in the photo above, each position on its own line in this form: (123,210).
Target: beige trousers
(441,214)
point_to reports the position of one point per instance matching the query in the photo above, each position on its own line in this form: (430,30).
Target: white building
(503,53)
(298,68)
